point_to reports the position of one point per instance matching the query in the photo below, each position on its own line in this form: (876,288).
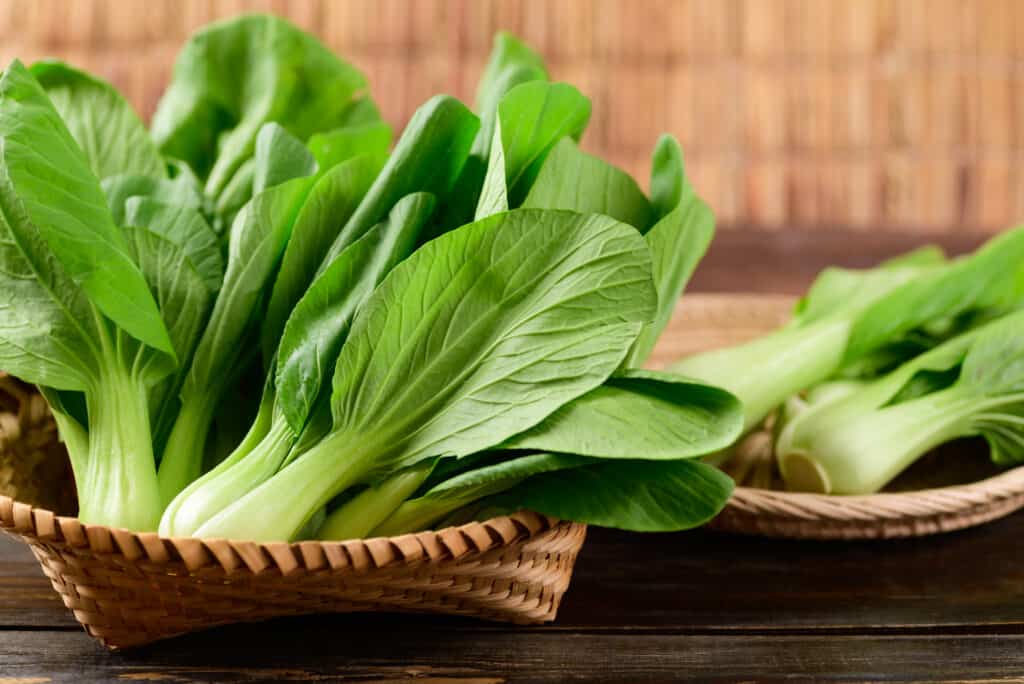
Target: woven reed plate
(708,321)
(130,589)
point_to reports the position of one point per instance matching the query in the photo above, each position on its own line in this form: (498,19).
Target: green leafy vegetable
(76,313)
(449,338)
(233,77)
(850,314)
(859,441)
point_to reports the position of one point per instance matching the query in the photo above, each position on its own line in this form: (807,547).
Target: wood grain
(306,652)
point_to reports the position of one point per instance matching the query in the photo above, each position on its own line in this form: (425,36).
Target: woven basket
(709,321)
(130,589)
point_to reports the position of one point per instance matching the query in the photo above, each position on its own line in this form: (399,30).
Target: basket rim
(41,526)
(885,505)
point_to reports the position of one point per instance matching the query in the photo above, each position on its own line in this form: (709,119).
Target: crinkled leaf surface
(49,177)
(320,321)
(108,130)
(485,331)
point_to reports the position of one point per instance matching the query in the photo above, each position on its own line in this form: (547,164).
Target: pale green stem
(278,509)
(364,512)
(765,372)
(120,488)
(182,461)
(871,449)
(245,469)
(419,514)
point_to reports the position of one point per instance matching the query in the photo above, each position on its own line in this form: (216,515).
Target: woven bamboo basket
(951,490)
(129,589)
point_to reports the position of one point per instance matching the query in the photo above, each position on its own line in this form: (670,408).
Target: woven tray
(928,501)
(130,589)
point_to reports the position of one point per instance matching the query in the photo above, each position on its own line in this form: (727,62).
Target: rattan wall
(900,113)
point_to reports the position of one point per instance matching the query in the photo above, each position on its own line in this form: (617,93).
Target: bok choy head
(858,441)
(848,315)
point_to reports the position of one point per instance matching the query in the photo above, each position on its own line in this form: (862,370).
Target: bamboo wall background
(813,113)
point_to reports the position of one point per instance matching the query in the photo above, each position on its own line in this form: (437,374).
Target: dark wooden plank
(707,581)
(26,597)
(354,654)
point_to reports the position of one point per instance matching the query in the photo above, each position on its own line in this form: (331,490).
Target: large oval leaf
(640,496)
(640,415)
(234,76)
(61,197)
(487,330)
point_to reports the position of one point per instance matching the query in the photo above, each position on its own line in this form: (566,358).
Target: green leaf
(49,177)
(279,157)
(110,133)
(640,415)
(441,359)
(331,202)
(531,118)
(837,289)
(571,179)
(511,63)
(258,239)
(991,277)
(234,76)
(428,158)
(334,147)
(677,242)
(359,112)
(320,322)
(179,192)
(187,230)
(47,327)
(640,496)
(182,295)
(668,178)
(449,495)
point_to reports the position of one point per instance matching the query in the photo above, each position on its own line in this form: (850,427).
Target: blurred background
(818,114)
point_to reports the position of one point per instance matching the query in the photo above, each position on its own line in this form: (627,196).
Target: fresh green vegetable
(311,342)
(76,312)
(476,337)
(258,239)
(111,135)
(857,440)
(234,76)
(635,417)
(850,314)
(434,331)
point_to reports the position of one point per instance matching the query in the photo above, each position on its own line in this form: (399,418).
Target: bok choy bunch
(444,329)
(878,367)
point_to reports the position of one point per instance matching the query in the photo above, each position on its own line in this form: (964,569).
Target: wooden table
(699,605)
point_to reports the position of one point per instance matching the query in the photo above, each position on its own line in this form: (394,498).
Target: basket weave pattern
(709,321)
(130,589)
